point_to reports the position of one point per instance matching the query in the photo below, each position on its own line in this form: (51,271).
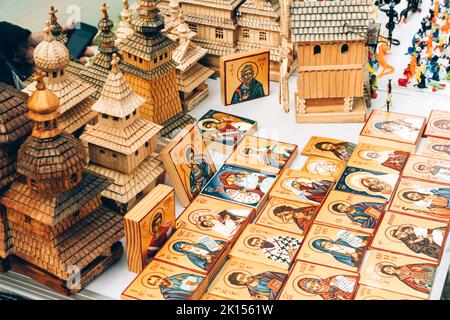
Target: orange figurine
(383,51)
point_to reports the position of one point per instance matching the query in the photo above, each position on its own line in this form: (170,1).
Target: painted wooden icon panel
(378,158)
(334,247)
(245,76)
(308,281)
(398,273)
(372,293)
(328,168)
(438,124)
(367,182)
(263,154)
(411,236)
(329,148)
(188,164)
(246,280)
(422,198)
(302,186)
(436,148)
(351,211)
(425,168)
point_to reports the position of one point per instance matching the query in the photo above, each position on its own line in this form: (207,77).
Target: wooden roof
(146,47)
(127,186)
(269,9)
(14,123)
(246,46)
(95,75)
(7,167)
(123,140)
(117,99)
(77,246)
(78,116)
(330,20)
(51,209)
(211,20)
(175,124)
(193,77)
(221,4)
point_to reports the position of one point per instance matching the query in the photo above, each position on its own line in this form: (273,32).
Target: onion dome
(51,161)
(50,55)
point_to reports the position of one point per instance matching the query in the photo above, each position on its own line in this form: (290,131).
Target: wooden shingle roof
(14,123)
(330,20)
(7,167)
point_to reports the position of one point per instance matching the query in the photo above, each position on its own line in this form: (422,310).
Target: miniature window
(155,60)
(74,178)
(55,74)
(166,54)
(219,33)
(114,155)
(140,60)
(262,36)
(246,33)
(135,58)
(147,144)
(317,49)
(104,116)
(129,55)
(47,124)
(127,117)
(160,57)
(134,112)
(115,119)
(33,183)
(102,151)
(136,153)
(27,219)
(193,27)
(344,48)
(61,72)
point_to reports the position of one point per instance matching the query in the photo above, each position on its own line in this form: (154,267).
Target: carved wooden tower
(59,232)
(148,65)
(121,145)
(124,28)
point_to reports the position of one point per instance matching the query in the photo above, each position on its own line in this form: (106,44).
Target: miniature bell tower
(122,145)
(125,28)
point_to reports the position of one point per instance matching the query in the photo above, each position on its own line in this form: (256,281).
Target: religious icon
(328,168)
(438,124)
(436,148)
(370,293)
(245,76)
(425,168)
(329,148)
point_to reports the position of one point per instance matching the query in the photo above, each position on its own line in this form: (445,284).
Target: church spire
(57,29)
(106,39)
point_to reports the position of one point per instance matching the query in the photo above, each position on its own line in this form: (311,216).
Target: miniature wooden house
(191,75)
(215,23)
(52,57)
(121,145)
(95,75)
(329,39)
(149,69)
(124,28)
(59,234)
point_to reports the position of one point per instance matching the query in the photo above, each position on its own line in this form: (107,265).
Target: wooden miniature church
(95,75)
(191,75)
(149,69)
(52,57)
(122,145)
(59,233)
(124,28)
(56,27)
(330,42)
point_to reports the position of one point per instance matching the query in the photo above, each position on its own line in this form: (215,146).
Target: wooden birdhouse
(122,145)
(330,38)
(95,75)
(59,233)
(52,57)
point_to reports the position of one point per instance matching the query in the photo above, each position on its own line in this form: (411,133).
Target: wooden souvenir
(121,145)
(285,215)
(263,154)
(216,218)
(162,281)
(244,76)
(57,29)
(240,185)
(401,131)
(309,281)
(436,148)
(334,247)
(422,199)
(52,57)
(266,245)
(188,164)
(351,211)
(195,251)
(208,296)
(246,280)
(367,182)
(429,169)
(398,273)
(378,158)
(96,73)
(124,28)
(191,75)
(222,131)
(372,293)
(329,148)
(328,168)
(60,234)
(148,226)
(331,59)
(302,186)
(438,124)
(411,236)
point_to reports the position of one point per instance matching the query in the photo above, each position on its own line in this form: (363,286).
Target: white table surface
(273,122)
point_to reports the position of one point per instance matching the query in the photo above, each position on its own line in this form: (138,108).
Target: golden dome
(43,103)
(50,55)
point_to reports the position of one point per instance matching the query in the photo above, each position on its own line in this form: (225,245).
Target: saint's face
(329,146)
(387,127)
(157,281)
(244,278)
(441,148)
(231,179)
(187,247)
(286,216)
(414,196)
(401,235)
(390,270)
(342,207)
(372,181)
(424,167)
(255,242)
(373,155)
(247,77)
(327,245)
(315,286)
